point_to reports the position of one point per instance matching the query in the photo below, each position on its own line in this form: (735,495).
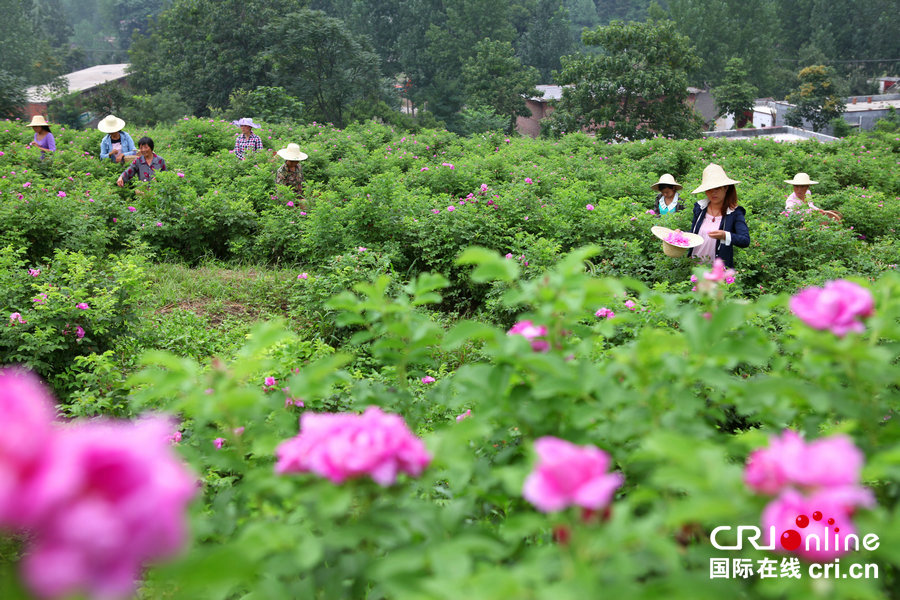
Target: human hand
(120,182)
(718,234)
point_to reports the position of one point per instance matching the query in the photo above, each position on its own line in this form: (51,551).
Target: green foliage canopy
(816,98)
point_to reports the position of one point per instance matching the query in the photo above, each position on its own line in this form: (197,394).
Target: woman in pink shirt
(800,197)
(718,219)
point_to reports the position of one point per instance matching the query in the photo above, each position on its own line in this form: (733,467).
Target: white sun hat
(801,179)
(714,176)
(666,179)
(292,152)
(111,124)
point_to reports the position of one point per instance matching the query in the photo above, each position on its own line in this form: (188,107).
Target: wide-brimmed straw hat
(37,120)
(111,124)
(663,233)
(666,179)
(292,152)
(245,121)
(714,176)
(801,179)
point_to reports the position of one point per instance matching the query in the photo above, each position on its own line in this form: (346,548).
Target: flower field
(462,368)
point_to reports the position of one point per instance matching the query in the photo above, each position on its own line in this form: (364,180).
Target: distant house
(888,85)
(540,109)
(79,81)
(783,133)
(861,111)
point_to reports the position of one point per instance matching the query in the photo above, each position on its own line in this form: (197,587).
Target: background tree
(495,77)
(735,96)
(816,100)
(635,89)
(322,63)
(547,37)
(12,95)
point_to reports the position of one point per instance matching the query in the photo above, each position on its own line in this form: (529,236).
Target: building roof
(782,133)
(551,92)
(79,81)
(877,103)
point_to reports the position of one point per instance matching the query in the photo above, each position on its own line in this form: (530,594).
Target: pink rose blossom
(61,195)
(590,207)
(82,306)
(175,437)
(693,279)
(509,255)
(362,249)
(464,416)
(428,379)
(834,509)
(218,443)
(630,305)
(34,272)
(567,474)
(290,203)
(528,181)
(303,276)
(180,174)
(271,381)
(838,307)
(719,272)
(238,431)
(340,446)
(451,208)
(16,318)
(532,333)
(79,332)
(604,313)
(436,211)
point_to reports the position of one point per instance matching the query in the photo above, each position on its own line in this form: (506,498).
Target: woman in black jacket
(718,219)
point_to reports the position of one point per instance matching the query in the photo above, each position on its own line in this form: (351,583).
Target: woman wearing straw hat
(289,173)
(246,140)
(667,201)
(43,138)
(718,219)
(800,196)
(116,144)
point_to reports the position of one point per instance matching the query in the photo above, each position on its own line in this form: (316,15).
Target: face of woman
(667,191)
(291,164)
(800,191)
(114,136)
(247,130)
(716,196)
(36,128)
(146,151)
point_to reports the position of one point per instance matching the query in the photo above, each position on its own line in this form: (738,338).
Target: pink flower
(175,437)
(131,209)
(362,249)
(629,304)
(26,412)
(79,332)
(180,174)
(532,333)
(303,276)
(218,443)
(40,298)
(464,416)
(271,381)
(115,220)
(834,509)
(719,272)
(567,474)
(290,203)
(112,498)
(302,213)
(484,188)
(650,211)
(838,306)
(82,306)
(451,208)
(423,169)
(15,318)
(428,379)
(590,207)
(61,195)
(677,238)
(27,184)
(789,461)
(339,446)
(604,313)
(509,255)
(693,279)
(528,181)
(34,272)
(436,211)
(238,431)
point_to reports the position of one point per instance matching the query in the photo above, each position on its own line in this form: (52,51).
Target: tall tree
(636,87)
(320,62)
(735,96)
(494,77)
(816,99)
(547,38)
(724,29)
(205,49)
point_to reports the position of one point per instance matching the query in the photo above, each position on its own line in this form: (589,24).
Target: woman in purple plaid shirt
(246,140)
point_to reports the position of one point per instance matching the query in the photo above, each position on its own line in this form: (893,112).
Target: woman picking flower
(718,219)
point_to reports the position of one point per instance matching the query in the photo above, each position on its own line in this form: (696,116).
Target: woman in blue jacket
(116,144)
(718,219)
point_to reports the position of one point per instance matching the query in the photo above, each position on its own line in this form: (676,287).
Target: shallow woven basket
(673,251)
